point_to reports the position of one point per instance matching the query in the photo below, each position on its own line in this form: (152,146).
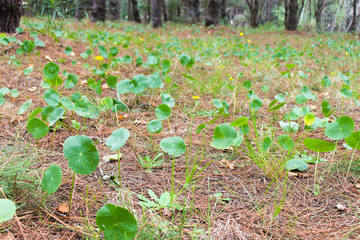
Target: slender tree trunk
(255,8)
(98,11)
(291,15)
(114,9)
(156,13)
(223,9)
(164,11)
(353,23)
(136,13)
(318,14)
(213,13)
(130,16)
(10,14)
(82,7)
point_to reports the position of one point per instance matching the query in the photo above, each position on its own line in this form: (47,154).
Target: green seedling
(37,128)
(148,163)
(116,141)
(165,201)
(116,222)
(24,107)
(174,146)
(154,127)
(82,155)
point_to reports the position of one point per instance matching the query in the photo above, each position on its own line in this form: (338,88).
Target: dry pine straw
(247,216)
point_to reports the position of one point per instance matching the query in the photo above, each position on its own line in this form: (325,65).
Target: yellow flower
(320,45)
(99,58)
(241,34)
(248,41)
(332,73)
(141,39)
(347,53)
(231,79)
(195,97)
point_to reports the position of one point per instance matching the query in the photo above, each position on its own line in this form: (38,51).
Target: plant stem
(72,191)
(118,157)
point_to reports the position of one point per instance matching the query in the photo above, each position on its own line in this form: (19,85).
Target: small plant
(165,201)
(51,181)
(7,210)
(149,163)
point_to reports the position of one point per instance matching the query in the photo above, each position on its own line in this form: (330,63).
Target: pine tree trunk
(135,10)
(291,15)
(114,9)
(213,13)
(10,14)
(254,6)
(82,7)
(98,10)
(193,11)
(156,13)
(318,14)
(353,23)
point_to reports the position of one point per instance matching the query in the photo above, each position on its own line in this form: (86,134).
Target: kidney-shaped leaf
(82,154)
(116,222)
(354,140)
(117,139)
(37,128)
(51,70)
(318,145)
(340,128)
(174,146)
(296,164)
(56,115)
(286,142)
(51,179)
(154,126)
(163,111)
(7,210)
(223,136)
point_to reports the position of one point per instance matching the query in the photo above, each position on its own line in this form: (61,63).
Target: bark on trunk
(135,10)
(291,15)
(156,13)
(82,7)
(114,9)
(10,14)
(213,13)
(193,11)
(98,11)
(353,23)
(254,6)
(318,14)
(164,11)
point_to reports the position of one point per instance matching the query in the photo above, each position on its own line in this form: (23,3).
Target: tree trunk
(223,9)
(193,11)
(353,23)
(82,7)
(255,8)
(164,11)
(135,10)
(213,13)
(130,16)
(291,15)
(156,13)
(98,11)
(114,9)
(10,14)
(318,14)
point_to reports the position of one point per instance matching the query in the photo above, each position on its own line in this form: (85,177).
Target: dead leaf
(105,86)
(48,58)
(110,158)
(83,82)
(32,89)
(31,65)
(341,207)
(72,54)
(228,164)
(122,117)
(166,212)
(63,208)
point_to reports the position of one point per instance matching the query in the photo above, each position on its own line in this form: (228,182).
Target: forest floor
(229,196)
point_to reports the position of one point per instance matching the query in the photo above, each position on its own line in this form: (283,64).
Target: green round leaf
(155,81)
(154,126)
(28,46)
(84,108)
(223,136)
(300,99)
(168,100)
(239,122)
(266,144)
(24,107)
(4,91)
(28,70)
(174,146)
(67,103)
(7,210)
(163,111)
(318,145)
(51,71)
(51,179)
(256,104)
(286,142)
(200,128)
(56,115)
(307,93)
(309,119)
(52,97)
(117,223)
(45,113)
(296,164)
(14,93)
(68,50)
(71,81)
(37,128)
(117,139)
(124,86)
(82,154)
(354,140)
(113,51)
(340,128)
(111,81)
